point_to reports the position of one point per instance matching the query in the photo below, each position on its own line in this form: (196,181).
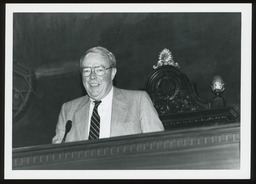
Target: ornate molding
(171,92)
(121,147)
(166,58)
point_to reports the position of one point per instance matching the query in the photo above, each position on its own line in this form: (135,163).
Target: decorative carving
(177,103)
(165,58)
(171,92)
(200,118)
(23,80)
(130,145)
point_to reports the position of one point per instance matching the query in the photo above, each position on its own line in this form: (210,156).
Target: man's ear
(113,73)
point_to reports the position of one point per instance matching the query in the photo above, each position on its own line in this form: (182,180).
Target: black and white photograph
(128,91)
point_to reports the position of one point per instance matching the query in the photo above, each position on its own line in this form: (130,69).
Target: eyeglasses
(99,70)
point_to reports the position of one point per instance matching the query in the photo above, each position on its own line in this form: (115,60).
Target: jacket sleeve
(149,118)
(60,127)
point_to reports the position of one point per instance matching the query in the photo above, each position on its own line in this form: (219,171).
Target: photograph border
(246,52)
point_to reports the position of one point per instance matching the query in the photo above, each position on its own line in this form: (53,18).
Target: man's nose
(93,74)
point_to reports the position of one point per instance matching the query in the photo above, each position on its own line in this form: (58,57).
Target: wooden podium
(211,147)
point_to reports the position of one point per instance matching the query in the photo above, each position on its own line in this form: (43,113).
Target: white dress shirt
(105,111)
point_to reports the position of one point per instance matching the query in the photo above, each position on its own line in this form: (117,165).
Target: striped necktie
(95,122)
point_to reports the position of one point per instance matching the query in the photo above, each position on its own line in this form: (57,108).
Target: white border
(139,7)
(243,173)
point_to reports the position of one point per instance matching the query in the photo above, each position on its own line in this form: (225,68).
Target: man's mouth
(94,84)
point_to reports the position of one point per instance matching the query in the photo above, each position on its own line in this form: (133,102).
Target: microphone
(68,128)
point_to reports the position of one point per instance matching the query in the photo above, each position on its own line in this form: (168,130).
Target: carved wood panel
(210,147)
(172,92)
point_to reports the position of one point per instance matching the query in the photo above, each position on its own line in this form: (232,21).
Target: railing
(214,147)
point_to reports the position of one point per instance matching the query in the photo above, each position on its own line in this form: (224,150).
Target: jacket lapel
(119,111)
(82,119)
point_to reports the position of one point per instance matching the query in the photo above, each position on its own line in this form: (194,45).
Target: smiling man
(105,111)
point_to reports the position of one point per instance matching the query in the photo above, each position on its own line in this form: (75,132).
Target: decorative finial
(218,85)
(165,58)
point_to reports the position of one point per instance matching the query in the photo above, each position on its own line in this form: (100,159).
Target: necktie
(95,122)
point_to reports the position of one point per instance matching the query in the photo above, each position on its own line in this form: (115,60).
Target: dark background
(51,44)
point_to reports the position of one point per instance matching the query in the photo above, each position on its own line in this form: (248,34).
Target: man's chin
(94,96)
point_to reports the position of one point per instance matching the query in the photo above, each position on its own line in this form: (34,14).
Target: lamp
(217,87)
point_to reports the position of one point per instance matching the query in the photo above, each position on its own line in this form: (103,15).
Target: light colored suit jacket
(132,113)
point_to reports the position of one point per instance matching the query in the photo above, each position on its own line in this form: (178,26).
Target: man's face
(97,87)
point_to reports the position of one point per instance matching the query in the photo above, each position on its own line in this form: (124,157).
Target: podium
(210,147)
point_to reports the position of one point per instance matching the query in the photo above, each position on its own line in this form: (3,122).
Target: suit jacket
(132,113)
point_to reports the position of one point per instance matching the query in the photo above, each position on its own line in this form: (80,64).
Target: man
(105,111)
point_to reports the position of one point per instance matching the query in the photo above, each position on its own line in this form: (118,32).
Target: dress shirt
(105,111)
